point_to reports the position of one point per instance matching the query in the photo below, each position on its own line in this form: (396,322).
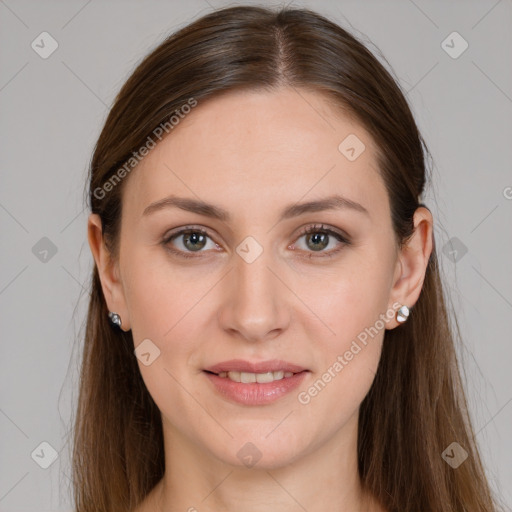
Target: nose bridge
(254,256)
(254,279)
(255,304)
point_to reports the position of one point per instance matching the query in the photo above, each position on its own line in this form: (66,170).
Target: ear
(108,271)
(412,263)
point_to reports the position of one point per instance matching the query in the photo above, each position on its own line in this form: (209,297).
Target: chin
(259,454)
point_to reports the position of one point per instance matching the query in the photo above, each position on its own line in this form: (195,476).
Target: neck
(327,475)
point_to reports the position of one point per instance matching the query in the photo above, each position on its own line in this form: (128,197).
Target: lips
(257,386)
(239,365)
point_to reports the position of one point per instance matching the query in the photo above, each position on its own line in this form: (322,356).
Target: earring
(115,319)
(402,314)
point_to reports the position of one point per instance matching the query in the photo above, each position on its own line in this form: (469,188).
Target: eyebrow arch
(334,202)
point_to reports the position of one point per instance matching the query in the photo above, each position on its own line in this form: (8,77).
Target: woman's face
(255,287)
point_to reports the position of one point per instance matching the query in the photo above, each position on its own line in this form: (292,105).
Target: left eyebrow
(335,202)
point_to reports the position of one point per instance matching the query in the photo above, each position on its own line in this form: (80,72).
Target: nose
(254,304)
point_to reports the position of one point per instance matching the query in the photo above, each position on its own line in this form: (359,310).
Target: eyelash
(310,229)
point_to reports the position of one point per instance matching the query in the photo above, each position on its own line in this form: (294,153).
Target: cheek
(352,300)
(346,366)
(353,304)
(169,305)
(160,296)
(164,304)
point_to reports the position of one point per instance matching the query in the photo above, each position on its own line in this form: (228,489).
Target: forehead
(254,149)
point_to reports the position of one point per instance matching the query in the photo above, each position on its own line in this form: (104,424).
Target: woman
(267,328)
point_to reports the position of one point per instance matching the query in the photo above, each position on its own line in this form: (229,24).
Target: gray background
(52,111)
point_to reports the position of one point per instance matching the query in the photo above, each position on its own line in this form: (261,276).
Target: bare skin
(253,154)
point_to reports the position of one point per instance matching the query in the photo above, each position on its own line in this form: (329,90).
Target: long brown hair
(416,406)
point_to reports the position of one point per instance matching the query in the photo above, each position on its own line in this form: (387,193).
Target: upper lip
(239,365)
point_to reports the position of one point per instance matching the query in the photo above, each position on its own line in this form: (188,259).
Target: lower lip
(255,393)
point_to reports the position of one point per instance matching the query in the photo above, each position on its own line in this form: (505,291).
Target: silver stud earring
(115,319)
(402,314)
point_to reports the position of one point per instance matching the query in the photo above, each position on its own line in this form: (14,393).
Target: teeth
(262,378)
